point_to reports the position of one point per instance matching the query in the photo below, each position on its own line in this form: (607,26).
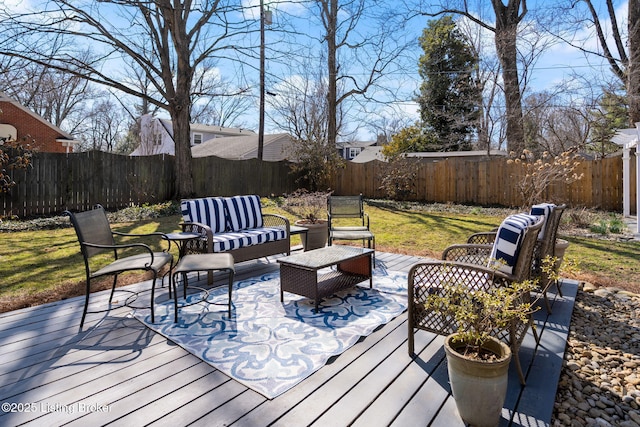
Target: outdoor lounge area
(116,370)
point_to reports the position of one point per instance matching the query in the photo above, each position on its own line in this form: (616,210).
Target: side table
(295,229)
(180,239)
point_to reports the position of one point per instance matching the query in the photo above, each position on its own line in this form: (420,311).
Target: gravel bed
(600,380)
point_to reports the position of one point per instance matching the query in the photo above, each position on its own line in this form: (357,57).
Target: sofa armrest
(204,230)
(274,220)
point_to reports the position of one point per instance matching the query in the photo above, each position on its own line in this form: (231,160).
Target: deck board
(142,378)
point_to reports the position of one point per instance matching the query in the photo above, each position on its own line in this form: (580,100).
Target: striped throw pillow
(243,212)
(209,211)
(542,210)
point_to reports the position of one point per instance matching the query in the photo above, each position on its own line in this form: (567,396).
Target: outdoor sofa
(234,225)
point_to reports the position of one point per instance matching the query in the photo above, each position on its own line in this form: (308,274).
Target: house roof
(219,130)
(64,137)
(447,154)
(368,154)
(355,144)
(243,147)
(375,153)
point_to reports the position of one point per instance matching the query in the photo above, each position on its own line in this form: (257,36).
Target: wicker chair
(468,268)
(478,245)
(545,247)
(96,238)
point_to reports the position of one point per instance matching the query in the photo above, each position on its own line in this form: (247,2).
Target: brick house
(17,121)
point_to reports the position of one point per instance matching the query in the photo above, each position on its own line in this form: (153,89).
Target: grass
(42,265)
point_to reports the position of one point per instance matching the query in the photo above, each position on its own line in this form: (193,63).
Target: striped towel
(506,247)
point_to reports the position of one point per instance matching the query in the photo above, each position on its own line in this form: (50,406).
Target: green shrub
(600,227)
(617,226)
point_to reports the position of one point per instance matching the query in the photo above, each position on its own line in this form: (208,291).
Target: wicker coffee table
(299,273)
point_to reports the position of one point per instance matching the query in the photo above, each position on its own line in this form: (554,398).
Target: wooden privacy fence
(77,181)
(492,182)
(55,182)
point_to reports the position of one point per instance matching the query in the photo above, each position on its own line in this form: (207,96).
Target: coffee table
(299,272)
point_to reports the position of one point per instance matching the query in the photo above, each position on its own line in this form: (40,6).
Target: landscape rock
(601,371)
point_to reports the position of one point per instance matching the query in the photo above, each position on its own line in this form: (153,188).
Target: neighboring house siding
(44,136)
(156,135)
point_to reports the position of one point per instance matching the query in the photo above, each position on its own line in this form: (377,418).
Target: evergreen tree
(612,114)
(450,95)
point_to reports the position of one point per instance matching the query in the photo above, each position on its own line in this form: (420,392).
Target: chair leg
(175,297)
(113,288)
(546,302)
(230,290)
(516,357)
(153,296)
(86,302)
(559,287)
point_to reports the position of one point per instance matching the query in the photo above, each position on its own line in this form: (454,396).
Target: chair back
(93,227)
(549,233)
(345,206)
(514,245)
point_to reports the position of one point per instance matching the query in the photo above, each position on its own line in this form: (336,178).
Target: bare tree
(219,108)
(577,22)
(301,109)
(384,126)
(58,97)
(106,126)
(359,35)
(169,40)
(504,25)
(554,123)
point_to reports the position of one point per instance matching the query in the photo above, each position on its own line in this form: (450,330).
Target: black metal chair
(96,238)
(351,207)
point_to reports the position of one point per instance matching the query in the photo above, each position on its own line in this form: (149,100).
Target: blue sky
(555,65)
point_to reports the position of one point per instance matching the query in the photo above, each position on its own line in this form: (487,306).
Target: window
(354,152)
(197,138)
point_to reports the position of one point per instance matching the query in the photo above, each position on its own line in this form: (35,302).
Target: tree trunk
(633,72)
(182,140)
(331,12)
(505,38)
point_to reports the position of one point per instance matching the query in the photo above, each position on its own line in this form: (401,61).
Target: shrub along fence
(77,181)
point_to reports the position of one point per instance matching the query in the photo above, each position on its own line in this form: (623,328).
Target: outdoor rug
(270,346)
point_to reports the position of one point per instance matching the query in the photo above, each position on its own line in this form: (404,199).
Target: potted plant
(478,363)
(311,209)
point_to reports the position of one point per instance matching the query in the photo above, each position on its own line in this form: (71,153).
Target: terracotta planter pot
(317,235)
(479,388)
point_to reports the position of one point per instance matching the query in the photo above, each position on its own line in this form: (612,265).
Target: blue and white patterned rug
(270,346)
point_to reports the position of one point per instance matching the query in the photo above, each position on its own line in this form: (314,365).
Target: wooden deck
(119,372)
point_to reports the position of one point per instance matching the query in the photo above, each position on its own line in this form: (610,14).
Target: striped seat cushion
(243,212)
(229,241)
(232,240)
(265,234)
(542,210)
(209,211)
(506,247)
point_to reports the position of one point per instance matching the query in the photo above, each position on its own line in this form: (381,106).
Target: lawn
(42,265)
